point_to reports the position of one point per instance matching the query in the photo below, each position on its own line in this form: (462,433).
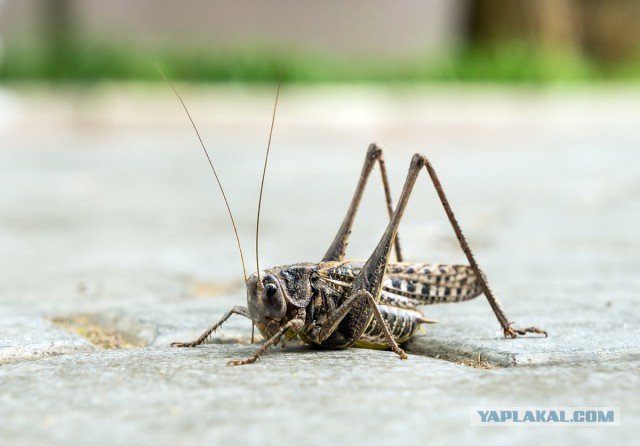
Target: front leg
(242,311)
(294,325)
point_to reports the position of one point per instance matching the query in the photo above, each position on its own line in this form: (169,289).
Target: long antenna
(264,172)
(226,202)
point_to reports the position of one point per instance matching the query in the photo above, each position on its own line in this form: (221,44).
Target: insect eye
(270,290)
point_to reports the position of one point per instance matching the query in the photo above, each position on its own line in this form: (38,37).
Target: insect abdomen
(402,324)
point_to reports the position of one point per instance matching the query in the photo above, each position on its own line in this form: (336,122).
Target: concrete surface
(115,243)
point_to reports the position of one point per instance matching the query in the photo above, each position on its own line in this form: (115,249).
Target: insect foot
(183,344)
(514,332)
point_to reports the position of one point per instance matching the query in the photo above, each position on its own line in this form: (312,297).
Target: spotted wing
(408,285)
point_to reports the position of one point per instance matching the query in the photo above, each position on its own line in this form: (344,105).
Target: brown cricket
(339,303)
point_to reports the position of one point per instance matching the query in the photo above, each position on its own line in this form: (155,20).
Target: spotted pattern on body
(402,324)
(408,285)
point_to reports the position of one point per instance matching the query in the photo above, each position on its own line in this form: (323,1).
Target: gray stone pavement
(115,243)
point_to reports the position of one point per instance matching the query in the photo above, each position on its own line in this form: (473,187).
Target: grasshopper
(339,303)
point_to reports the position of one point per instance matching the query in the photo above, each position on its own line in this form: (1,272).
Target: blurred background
(528,108)
(434,40)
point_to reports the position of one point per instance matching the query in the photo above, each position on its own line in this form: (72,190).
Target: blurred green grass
(99,61)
